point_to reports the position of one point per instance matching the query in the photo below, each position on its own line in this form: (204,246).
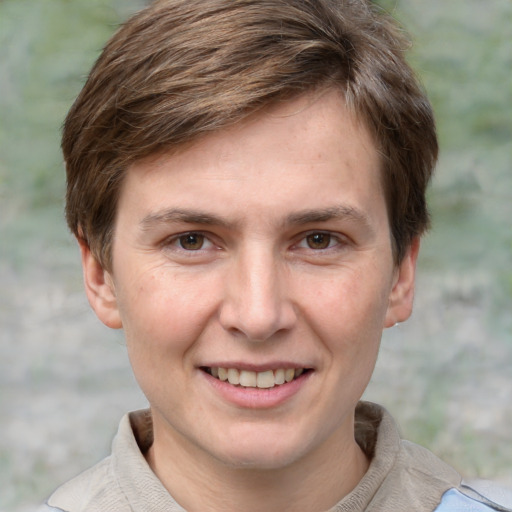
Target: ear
(402,294)
(99,288)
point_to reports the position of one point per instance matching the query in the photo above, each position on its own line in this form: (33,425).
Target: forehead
(310,147)
(320,118)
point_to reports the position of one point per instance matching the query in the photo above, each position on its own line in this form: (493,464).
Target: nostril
(258,326)
(256,302)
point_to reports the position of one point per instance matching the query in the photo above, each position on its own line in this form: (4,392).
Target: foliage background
(445,375)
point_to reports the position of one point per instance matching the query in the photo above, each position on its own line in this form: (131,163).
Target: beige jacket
(402,476)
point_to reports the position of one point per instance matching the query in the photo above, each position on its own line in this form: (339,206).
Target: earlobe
(99,288)
(402,294)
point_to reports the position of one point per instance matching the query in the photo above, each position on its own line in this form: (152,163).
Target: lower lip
(257,398)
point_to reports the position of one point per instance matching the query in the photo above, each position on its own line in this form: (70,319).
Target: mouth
(250,379)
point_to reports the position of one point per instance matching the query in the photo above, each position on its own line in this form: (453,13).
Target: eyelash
(333,242)
(176,241)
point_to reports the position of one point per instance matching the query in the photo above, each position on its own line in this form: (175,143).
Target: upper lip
(274,365)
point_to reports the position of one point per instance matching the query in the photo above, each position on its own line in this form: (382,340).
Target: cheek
(164,312)
(163,317)
(348,304)
(347,314)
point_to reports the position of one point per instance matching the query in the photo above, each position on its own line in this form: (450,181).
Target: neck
(200,483)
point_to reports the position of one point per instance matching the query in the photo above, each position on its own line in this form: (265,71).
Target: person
(246,181)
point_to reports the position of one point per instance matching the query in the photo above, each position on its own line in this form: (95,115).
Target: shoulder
(477,495)
(492,491)
(91,491)
(117,481)
(467,495)
(47,508)
(467,499)
(416,479)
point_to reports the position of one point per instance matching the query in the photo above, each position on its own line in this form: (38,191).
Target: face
(261,255)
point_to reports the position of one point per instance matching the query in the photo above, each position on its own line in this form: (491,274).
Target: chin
(267,451)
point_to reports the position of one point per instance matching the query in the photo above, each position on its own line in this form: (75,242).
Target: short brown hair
(182,68)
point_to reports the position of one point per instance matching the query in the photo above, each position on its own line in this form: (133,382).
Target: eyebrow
(331,213)
(187,216)
(191,216)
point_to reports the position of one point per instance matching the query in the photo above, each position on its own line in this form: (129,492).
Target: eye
(192,247)
(191,241)
(318,240)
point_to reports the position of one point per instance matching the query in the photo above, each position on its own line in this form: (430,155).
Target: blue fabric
(455,501)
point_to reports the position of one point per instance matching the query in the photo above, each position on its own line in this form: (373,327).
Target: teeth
(249,379)
(233,376)
(265,379)
(279,377)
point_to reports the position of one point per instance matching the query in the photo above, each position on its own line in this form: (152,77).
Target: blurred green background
(446,375)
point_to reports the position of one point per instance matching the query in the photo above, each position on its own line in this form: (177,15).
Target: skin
(261,246)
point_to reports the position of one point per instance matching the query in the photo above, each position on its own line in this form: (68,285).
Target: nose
(257,302)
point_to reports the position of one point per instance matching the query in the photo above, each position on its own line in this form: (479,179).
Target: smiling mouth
(250,379)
